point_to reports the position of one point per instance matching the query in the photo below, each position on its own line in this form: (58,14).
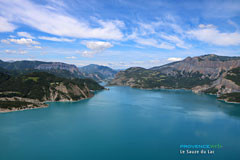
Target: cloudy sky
(118,33)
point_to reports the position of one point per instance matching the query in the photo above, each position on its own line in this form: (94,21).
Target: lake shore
(37,104)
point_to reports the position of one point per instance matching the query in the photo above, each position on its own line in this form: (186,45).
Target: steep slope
(209,65)
(31,90)
(98,72)
(149,79)
(209,73)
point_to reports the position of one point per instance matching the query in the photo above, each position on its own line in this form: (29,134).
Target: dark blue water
(123,124)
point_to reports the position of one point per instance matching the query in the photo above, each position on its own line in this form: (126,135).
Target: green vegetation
(15,104)
(190,73)
(231,97)
(35,79)
(144,78)
(95,72)
(25,79)
(10,94)
(4,77)
(25,67)
(212,90)
(234,75)
(37,85)
(222,58)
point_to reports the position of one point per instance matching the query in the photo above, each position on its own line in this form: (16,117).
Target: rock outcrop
(32,90)
(211,74)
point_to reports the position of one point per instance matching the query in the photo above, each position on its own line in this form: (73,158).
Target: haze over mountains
(97,72)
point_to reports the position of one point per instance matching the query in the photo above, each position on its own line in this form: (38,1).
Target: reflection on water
(230,109)
(206,104)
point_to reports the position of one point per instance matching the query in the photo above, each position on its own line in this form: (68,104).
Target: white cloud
(5,41)
(95,47)
(147,42)
(59,3)
(146,29)
(21,41)
(169,23)
(57,22)
(56,39)
(10,51)
(15,52)
(172,59)
(38,47)
(166,46)
(71,57)
(206,26)
(210,34)
(153,43)
(12,36)
(235,25)
(23,52)
(150,34)
(25,34)
(178,42)
(5,26)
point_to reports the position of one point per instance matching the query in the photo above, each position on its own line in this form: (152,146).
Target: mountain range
(28,84)
(212,74)
(96,72)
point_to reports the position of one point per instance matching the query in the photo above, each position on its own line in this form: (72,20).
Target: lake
(124,124)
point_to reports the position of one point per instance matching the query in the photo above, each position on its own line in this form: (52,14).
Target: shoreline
(185,89)
(39,104)
(17,109)
(43,105)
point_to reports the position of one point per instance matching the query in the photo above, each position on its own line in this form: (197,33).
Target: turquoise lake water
(123,124)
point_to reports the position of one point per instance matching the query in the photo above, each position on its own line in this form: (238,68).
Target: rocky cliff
(209,74)
(32,90)
(208,65)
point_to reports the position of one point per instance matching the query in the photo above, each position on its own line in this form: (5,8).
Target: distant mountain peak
(98,72)
(135,68)
(206,56)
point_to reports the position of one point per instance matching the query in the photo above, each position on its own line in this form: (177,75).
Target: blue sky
(118,33)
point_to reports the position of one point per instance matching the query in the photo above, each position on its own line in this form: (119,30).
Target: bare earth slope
(211,74)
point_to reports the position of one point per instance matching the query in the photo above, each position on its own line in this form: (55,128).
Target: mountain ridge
(57,68)
(98,72)
(208,73)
